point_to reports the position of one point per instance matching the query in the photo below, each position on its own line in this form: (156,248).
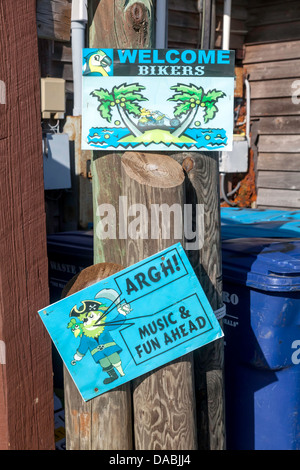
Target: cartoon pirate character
(93,328)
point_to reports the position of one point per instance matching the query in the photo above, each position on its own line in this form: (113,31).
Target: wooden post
(202,170)
(110,26)
(26,381)
(103,423)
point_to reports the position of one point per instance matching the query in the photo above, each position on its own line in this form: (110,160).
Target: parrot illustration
(97,63)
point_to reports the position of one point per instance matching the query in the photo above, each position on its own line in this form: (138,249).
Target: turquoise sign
(132,322)
(157,99)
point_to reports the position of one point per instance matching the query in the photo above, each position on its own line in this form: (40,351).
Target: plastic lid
(266,264)
(75,241)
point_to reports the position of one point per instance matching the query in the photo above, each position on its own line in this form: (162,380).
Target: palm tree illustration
(190,98)
(125,97)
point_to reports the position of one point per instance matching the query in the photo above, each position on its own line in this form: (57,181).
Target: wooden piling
(163,400)
(103,423)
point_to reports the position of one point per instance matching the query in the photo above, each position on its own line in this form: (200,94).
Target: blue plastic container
(240,223)
(261,289)
(68,254)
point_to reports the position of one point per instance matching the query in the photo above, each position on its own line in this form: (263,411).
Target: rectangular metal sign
(157,99)
(132,322)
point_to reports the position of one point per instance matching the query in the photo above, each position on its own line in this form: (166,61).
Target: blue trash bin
(261,284)
(68,254)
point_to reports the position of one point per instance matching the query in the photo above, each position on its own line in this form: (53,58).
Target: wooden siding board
(54,19)
(278,13)
(278,197)
(273,70)
(273,88)
(274,107)
(279,161)
(279,143)
(257,53)
(278,180)
(279,125)
(268,33)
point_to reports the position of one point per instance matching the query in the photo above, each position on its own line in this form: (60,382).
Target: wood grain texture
(281,198)
(279,143)
(163,401)
(111,24)
(285,125)
(203,173)
(26,381)
(279,180)
(272,52)
(54,19)
(103,423)
(279,161)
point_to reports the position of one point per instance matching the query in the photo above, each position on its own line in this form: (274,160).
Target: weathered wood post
(164,405)
(202,170)
(110,25)
(163,400)
(26,379)
(103,423)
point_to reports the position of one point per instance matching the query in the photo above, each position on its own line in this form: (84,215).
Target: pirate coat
(104,344)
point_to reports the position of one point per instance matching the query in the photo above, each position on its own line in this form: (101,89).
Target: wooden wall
(185,23)
(272,60)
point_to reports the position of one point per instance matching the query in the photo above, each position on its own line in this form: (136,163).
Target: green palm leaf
(133,108)
(103,94)
(212,95)
(188,90)
(182,108)
(105,110)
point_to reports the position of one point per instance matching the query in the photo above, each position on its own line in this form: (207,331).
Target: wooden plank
(273,70)
(53,19)
(177,34)
(283,32)
(26,379)
(159,179)
(274,107)
(273,88)
(278,198)
(279,180)
(274,14)
(279,161)
(183,19)
(236,40)
(279,125)
(187,5)
(91,425)
(238,12)
(272,52)
(279,143)
(236,26)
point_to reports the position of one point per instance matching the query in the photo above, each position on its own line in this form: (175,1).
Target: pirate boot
(112,375)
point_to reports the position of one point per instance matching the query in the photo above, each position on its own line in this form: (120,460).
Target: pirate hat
(87,306)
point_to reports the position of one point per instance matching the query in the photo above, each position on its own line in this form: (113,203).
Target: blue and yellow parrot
(97,63)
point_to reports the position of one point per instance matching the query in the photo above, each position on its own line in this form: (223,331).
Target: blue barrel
(240,223)
(261,284)
(68,254)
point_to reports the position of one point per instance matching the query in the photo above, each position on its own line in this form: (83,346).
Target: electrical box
(53,98)
(235,161)
(56,157)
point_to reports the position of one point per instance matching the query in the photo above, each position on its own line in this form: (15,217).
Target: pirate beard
(93,331)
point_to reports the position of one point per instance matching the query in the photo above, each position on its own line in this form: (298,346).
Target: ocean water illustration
(102,138)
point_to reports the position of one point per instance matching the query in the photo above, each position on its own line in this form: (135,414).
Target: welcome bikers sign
(158,99)
(132,322)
